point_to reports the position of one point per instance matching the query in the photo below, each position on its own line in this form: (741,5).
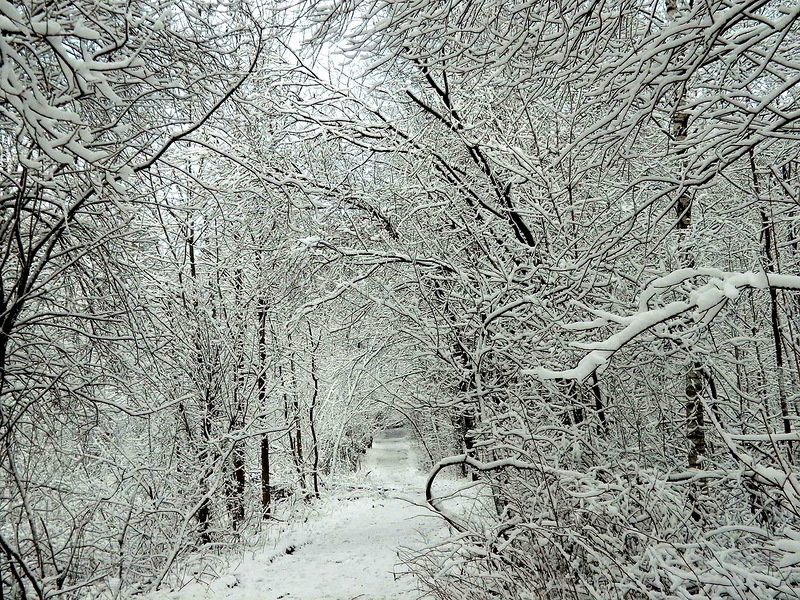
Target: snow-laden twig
(704,304)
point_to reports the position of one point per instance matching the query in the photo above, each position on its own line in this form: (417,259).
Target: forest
(558,239)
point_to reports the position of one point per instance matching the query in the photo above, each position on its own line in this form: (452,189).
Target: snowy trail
(347,549)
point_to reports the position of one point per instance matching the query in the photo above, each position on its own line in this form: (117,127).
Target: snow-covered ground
(347,548)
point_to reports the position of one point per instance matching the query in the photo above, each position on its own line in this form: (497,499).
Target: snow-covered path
(348,547)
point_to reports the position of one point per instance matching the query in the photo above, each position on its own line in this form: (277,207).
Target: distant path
(348,549)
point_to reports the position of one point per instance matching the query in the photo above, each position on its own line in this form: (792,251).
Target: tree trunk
(266,490)
(311,417)
(695,374)
(599,408)
(299,460)
(771,266)
(203,514)
(207,459)
(238,486)
(466,425)
(238,482)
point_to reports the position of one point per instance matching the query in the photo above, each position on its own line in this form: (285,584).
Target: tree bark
(299,460)
(599,408)
(695,374)
(291,411)
(238,479)
(203,514)
(266,489)
(771,266)
(311,409)
(239,483)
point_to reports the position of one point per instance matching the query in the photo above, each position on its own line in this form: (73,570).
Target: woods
(559,240)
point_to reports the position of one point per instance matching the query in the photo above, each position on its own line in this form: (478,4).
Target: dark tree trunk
(311,417)
(771,266)
(266,490)
(204,457)
(466,426)
(599,408)
(696,374)
(299,460)
(237,514)
(203,514)
(238,458)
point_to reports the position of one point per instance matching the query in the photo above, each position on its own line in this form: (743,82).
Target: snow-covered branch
(703,305)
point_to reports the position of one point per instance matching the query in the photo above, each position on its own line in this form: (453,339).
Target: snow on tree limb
(704,303)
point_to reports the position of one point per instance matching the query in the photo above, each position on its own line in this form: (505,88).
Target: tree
(94,95)
(555,150)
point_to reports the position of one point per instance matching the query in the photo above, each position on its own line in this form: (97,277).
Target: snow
(704,302)
(348,547)
(87,33)
(790,545)
(45,28)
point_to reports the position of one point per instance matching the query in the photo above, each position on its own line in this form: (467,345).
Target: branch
(206,116)
(495,465)
(704,303)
